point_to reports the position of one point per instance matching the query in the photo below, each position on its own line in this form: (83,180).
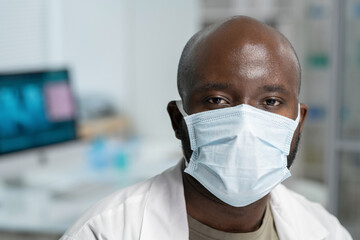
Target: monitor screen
(36,109)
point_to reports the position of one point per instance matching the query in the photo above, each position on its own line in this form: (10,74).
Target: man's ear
(303,115)
(176,118)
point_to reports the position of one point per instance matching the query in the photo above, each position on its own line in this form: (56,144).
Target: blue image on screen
(26,111)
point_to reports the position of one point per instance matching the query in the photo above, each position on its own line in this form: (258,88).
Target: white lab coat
(155,209)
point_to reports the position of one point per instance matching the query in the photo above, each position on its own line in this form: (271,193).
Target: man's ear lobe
(176,118)
(303,115)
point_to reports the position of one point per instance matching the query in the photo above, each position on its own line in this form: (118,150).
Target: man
(239,122)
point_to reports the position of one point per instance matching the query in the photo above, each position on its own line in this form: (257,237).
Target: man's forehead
(247,63)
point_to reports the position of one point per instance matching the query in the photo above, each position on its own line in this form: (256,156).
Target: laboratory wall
(133,47)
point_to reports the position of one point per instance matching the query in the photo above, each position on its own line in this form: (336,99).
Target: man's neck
(207,209)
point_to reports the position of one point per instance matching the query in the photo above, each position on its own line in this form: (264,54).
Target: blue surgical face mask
(239,153)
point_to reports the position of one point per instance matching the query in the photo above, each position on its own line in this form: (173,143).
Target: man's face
(231,72)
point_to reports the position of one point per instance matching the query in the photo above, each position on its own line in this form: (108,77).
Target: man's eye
(272,102)
(217,100)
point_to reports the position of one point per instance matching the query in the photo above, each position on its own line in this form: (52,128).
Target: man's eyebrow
(274,88)
(213,86)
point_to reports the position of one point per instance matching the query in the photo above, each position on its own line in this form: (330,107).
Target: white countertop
(49,198)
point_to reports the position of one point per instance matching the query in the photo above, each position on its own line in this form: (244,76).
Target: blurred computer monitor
(36,109)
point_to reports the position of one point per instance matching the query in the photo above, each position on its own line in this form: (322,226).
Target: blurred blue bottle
(97,154)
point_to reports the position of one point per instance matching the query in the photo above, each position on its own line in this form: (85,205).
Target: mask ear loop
(297,120)
(181,109)
(180,106)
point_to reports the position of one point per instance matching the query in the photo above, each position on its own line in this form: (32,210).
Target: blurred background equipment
(36,109)
(123,58)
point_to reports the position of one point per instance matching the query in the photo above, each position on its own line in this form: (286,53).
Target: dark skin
(240,61)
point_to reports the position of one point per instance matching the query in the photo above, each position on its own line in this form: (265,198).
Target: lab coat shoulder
(304,218)
(117,215)
(329,221)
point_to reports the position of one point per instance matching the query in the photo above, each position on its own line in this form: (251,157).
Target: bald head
(252,49)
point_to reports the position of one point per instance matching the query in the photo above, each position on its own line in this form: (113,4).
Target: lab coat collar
(293,220)
(165,214)
(171,221)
